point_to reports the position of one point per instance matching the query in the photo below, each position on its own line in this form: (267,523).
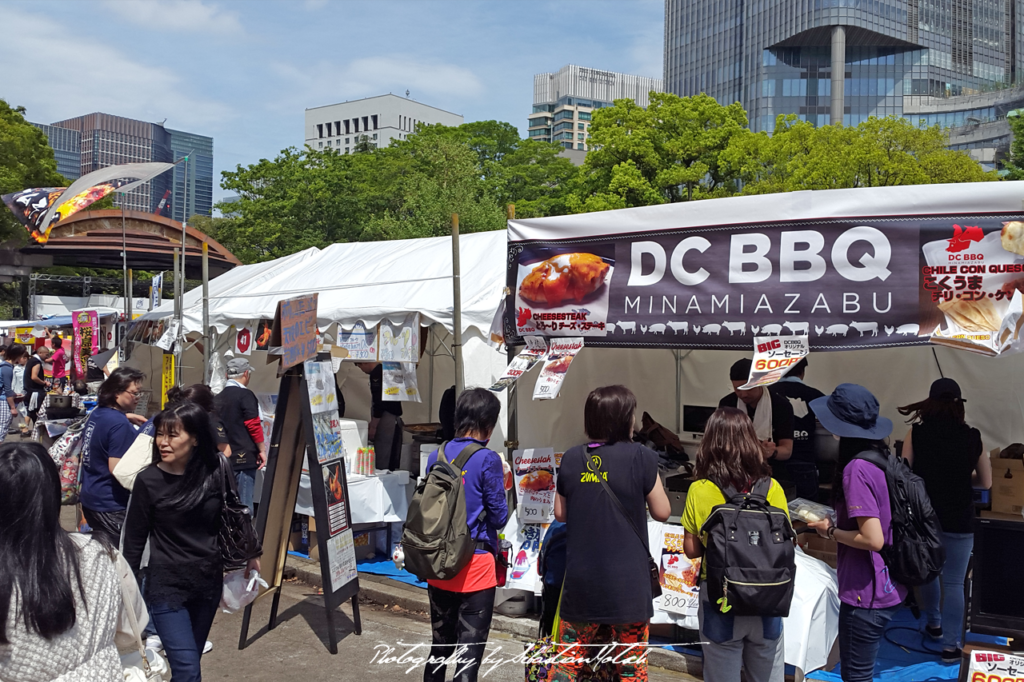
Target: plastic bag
(240,590)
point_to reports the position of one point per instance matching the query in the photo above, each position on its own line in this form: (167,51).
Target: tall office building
(380,119)
(951,62)
(105,140)
(67,149)
(564,102)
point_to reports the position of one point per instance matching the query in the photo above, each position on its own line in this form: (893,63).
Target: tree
(1015,163)
(880,152)
(26,160)
(666,153)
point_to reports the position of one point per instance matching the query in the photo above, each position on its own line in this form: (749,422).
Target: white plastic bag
(240,590)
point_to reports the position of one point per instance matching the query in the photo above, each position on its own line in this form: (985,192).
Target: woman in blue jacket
(461,607)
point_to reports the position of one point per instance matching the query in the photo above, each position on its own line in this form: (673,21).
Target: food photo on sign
(535,474)
(679,576)
(563,292)
(561,353)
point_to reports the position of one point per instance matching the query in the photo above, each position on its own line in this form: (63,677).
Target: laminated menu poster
(560,355)
(561,291)
(320,383)
(337,515)
(400,341)
(400,382)
(773,357)
(994,666)
(679,577)
(536,349)
(535,473)
(341,558)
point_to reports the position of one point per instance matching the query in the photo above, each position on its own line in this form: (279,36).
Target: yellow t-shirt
(703,496)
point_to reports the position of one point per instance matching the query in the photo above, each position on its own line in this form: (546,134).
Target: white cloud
(176,15)
(57,73)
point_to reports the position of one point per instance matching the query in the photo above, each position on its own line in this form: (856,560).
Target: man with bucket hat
(869,596)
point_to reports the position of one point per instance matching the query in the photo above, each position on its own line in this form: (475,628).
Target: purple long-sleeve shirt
(483,479)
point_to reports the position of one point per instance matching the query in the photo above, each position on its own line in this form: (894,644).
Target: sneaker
(934,631)
(153,642)
(208,647)
(952,655)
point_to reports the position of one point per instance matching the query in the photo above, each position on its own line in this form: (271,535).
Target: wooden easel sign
(307,425)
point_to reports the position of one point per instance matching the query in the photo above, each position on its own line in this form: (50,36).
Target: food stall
(902,280)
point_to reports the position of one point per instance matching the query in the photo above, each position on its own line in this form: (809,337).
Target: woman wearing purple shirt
(869,597)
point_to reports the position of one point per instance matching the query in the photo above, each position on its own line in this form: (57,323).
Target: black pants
(105,524)
(458,620)
(387,442)
(549,605)
(804,476)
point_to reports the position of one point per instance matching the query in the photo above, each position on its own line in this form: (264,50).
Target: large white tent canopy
(361,282)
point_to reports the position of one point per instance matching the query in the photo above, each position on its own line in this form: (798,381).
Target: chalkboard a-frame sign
(306,429)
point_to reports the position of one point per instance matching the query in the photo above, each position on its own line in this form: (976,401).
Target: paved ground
(296,649)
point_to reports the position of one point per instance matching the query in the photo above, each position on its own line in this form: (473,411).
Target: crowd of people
(162,532)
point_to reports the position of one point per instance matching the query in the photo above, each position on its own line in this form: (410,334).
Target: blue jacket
(483,479)
(6,380)
(551,563)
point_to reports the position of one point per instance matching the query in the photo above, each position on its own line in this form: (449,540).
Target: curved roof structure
(93,239)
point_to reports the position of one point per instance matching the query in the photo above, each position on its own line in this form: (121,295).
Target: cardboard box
(816,546)
(986,514)
(1007,486)
(364,548)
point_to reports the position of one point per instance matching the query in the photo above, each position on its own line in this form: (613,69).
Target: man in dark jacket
(240,412)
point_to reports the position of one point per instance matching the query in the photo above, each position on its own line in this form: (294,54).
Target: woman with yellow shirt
(731,455)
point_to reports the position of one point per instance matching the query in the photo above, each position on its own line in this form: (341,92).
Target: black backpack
(750,557)
(917,553)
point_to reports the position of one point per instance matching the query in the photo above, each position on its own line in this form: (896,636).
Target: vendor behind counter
(771,413)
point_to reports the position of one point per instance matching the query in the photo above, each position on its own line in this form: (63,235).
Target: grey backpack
(436,539)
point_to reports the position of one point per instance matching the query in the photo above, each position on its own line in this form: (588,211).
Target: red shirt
(477,575)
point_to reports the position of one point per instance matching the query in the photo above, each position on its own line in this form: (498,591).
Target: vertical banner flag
(86,329)
(166,378)
(773,357)
(156,291)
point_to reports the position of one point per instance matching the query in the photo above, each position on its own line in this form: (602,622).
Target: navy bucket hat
(851,412)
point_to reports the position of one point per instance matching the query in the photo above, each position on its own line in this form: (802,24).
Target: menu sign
(773,357)
(294,330)
(678,575)
(535,476)
(560,355)
(536,349)
(359,343)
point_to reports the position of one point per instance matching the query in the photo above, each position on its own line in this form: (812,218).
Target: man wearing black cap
(802,466)
(771,414)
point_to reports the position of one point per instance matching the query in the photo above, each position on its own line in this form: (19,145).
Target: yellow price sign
(167,378)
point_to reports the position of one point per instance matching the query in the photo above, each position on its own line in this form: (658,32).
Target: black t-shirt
(800,396)
(945,456)
(237,405)
(782,414)
(380,406)
(30,385)
(184,551)
(607,579)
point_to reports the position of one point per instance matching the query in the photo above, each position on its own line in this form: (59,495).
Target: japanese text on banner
(560,355)
(773,357)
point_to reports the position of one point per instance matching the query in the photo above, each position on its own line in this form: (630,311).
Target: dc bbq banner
(864,282)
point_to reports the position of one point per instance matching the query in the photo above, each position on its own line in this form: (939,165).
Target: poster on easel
(306,437)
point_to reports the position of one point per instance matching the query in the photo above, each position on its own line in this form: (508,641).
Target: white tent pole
(206,312)
(460,379)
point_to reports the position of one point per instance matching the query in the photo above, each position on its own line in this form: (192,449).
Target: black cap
(945,388)
(740,370)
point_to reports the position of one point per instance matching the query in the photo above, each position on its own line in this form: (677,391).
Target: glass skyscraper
(98,140)
(952,62)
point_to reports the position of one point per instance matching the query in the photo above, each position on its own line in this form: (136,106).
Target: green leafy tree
(1015,164)
(666,153)
(880,152)
(26,160)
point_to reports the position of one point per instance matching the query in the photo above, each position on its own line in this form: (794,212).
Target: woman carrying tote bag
(178,505)
(607,593)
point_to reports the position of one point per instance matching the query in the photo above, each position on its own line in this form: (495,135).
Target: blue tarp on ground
(902,663)
(386,567)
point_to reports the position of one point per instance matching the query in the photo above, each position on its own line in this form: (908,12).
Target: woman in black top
(201,395)
(176,505)
(948,454)
(606,595)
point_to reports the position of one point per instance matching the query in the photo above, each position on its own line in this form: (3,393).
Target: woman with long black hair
(869,597)
(176,504)
(948,455)
(61,608)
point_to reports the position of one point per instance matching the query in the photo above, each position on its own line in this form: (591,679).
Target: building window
(328,129)
(347,130)
(583,116)
(375,136)
(320,130)
(374,120)
(580,126)
(579,136)
(565,113)
(366,122)
(579,145)
(321,145)
(328,143)
(337,127)
(346,150)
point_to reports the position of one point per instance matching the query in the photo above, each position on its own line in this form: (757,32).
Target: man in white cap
(240,412)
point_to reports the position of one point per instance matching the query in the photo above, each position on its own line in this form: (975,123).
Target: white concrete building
(381,119)
(564,101)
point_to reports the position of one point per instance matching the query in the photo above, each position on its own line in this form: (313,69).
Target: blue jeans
(246,481)
(183,631)
(860,633)
(942,600)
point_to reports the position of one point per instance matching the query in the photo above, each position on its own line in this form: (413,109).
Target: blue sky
(244,72)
